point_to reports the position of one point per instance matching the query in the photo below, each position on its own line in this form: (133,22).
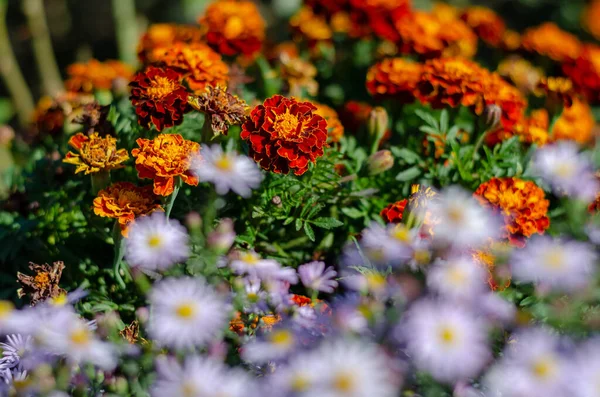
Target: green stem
(271,84)
(42,47)
(173,196)
(11,74)
(207,131)
(478,145)
(119,254)
(100,180)
(126,29)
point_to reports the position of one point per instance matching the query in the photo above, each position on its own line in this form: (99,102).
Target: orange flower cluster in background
(299,76)
(163,159)
(549,40)
(395,78)
(335,129)
(575,123)
(522,73)
(125,201)
(95,75)
(314,28)
(584,71)
(162,36)
(590,18)
(96,153)
(522,204)
(285,135)
(488,25)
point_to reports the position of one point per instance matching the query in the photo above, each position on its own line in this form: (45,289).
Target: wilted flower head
(43,284)
(96,153)
(549,40)
(95,75)
(221,108)
(314,276)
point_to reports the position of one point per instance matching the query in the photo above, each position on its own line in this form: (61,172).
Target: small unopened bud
(276,200)
(380,161)
(491,117)
(378,123)
(193,220)
(222,238)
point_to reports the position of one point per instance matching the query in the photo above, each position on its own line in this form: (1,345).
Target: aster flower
(314,276)
(95,75)
(439,335)
(155,243)
(227,171)
(335,129)
(221,108)
(566,170)
(124,202)
(15,353)
(160,36)
(185,312)
(43,284)
(275,344)
(234,27)
(249,262)
(488,25)
(158,97)
(96,153)
(390,245)
(285,135)
(562,265)
(458,278)
(395,78)
(586,367)
(549,40)
(163,159)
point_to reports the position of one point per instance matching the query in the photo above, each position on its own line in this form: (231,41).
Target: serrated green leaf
(408,174)
(352,212)
(309,231)
(327,223)
(298,224)
(288,221)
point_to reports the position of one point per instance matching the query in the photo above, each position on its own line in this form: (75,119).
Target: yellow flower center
(6,308)
(42,280)
(456,276)
(343,382)
(565,170)
(299,383)
(224,163)
(188,390)
(249,258)
(287,125)
(234,27)
(59,300)
(422,257)
(154,241)
(375,281)
(456,214)
(281,338)
(160,87)
(80,336)
(554,259)
(544,368)
(401,233)
(447,335)
(185,310)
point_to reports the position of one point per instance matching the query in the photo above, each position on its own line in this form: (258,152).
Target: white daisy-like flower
(568,171)
(185,312)
(226,170)
(458,277)
(461,221)
(446,340)
(14,350)
(250,263)
(531,366)
(339,368)
(390,245)
(155,243)
(315,276)
(275,345)
(562,265)
(586,370)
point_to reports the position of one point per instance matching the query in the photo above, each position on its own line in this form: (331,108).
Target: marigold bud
(491,117)
(380,161)
(378,122)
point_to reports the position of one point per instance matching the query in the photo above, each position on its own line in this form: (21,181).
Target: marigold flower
(485,23)
(445,11)
(590,18)
(96,153)
(198,64)
(125,201)
(300,76)
(394,212)
(522,204)
(43,284)
(549,40)
(311,26)
(335,129)
(557,89)
(534,128)
(285,135)
(327,6)
(163,158)
(521,73)
(585,72)
(234,27)
(221,108)
(95,75)
(576,123)
(161,36)
(511,40)
(378,16)
(50,114)
(158,97)
(394,78)
(513,104)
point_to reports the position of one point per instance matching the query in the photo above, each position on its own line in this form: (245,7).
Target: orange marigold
(575,123)
(534,128)
(394,212)
(557,89)
(590,18)
(394,78)
(163,35)
(585,72)
(198,64)
(96,153)
(158,97)
(378,16)
(125,201)
(163,159)
(234,27)
(510,100)
(285,135)
(311,26)
(95,75)
(485,23)
(549,40)
(511,40)
(335,129)
(522,204)
(445,11)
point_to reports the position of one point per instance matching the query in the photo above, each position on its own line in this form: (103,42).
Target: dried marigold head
(576,123)
(584,71)
(310,26)
(158,97)
(93,117)
(163,35)
(393,212)
(590,18)
(234,27)
(378,16)
(521,73)
(164,158)
(557,90)
(486,24)
(95,75)
(299,75)
(95,153)
(222,108)
(124,202)
(549,40)
(394,78)
(43,284)
(48,117)
(522,203)
(198,64)
(427,35)
(285,135)
(335,129)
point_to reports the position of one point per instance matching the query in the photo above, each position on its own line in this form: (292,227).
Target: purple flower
(314,276)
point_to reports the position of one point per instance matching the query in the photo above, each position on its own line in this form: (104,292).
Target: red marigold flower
(163,158)
(158,97)
(393,212)
(549,40)
(378,16)
(584,71)
(285,135)
(522,204)
(96,75)
(161,36)
(485,23)
(394,78)
(234,27)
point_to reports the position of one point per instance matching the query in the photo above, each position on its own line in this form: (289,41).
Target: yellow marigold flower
(310,26)
(549,40)
(124,202)
(300,76)
(95,75)
(335,129)
(575,123)
(161,36)
(163,159)
(394,78)
(521,73)
(96,153)
(485,23)
(590,18)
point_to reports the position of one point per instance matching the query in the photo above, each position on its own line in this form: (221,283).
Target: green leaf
(298,224)
(288,221)
(444,120)
(327,223)
(352,212)
(408,174)
(309,231)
